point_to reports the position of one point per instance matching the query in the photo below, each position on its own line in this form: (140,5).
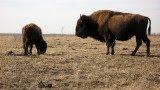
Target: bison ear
(83,18)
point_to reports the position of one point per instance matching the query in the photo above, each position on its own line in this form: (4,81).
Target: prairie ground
(79,64)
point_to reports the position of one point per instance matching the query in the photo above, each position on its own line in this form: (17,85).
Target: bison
(32,34)
(108,26)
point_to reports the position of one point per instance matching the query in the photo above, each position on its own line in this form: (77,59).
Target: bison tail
(149,26)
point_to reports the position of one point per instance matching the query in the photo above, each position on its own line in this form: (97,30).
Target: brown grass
(79,64)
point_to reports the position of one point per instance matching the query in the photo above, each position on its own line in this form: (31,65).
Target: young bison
(32,34)
(108,26)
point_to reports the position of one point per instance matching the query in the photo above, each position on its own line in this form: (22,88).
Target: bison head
(85,26)
(43,47)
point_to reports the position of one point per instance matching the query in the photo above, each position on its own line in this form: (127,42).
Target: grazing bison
(32,34)
(108,26)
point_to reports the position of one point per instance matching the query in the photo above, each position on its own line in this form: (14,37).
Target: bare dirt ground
(72,63)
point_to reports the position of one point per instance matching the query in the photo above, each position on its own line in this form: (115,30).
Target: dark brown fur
(32,34)
(108,26)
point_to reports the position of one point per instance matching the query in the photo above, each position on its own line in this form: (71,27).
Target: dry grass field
(72,63)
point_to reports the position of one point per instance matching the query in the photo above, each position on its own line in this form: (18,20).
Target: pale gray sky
(52,15)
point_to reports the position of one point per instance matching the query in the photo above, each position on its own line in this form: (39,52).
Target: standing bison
(108,26)
(32,34)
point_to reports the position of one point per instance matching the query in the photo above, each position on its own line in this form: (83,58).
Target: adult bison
(32,34)
(108,26)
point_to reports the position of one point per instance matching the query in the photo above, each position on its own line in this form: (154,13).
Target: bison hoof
(112,53)
(25,54)
(148,55)
(29,53)
(133,54)
(107,53)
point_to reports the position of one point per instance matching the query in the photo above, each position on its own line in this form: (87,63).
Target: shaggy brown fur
(108,26)
(32,34)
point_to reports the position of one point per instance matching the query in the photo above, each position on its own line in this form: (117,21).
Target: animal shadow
(11,53)
(154,56)
(138,55)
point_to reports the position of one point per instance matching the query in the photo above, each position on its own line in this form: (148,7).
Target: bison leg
(25,48)
(107,44)
(31,46)
(108,49)
(139,43)
(38,50)
(113,44)
(110,42)
(147,42)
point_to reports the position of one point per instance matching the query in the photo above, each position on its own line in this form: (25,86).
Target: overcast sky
(53,15)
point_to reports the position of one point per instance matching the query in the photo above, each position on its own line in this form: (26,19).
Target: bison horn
(80,18)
